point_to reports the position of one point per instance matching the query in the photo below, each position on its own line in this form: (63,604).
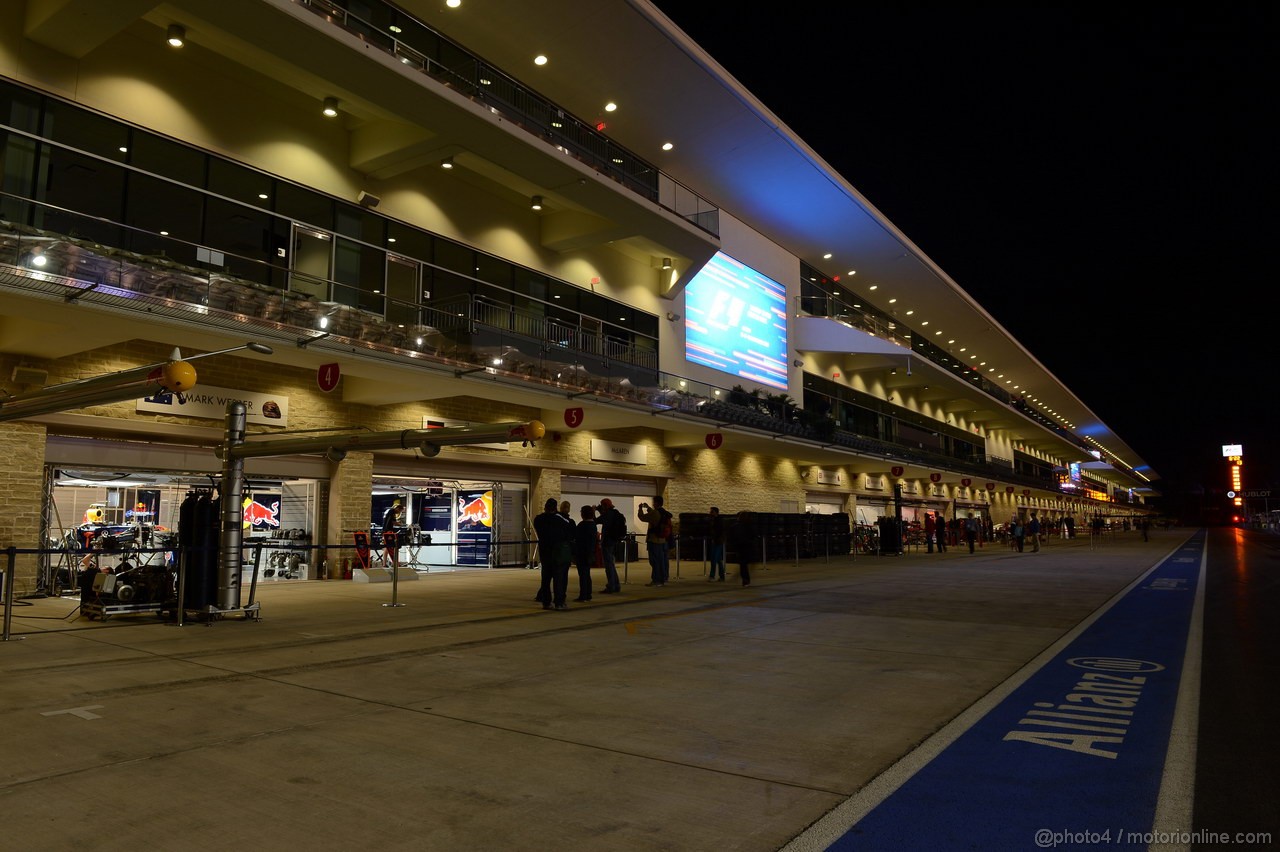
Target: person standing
(1017,532)
(743,540)
(657,540)
(585,539)
(941,526)
(391,535)
(613,530)
(971,530)
(715,545)
(1071,526)
(930,531)
(1033,530)
(555,537)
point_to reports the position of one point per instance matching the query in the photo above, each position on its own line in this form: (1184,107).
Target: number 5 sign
(573,417)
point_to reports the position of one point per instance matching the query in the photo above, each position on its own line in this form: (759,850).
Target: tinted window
(303,206)
(239,183)
(155,205)
(86,131)
(161,156)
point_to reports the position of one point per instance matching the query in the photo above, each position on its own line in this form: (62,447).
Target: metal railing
(528,110)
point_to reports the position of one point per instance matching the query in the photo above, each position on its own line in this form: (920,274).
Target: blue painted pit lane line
(1071,756)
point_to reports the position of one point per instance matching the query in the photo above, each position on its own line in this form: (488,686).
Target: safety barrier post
(677,539)
(389,557)
(8,589)
(181,610)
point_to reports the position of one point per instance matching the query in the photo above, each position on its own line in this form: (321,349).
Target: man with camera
(657,540)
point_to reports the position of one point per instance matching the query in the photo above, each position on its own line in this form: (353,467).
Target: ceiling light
(177,35)
(262,195)
(539,60)
(536,202)
(330,107)
(446,163)
(872,287)
(453,4)
(854,272)
(610,107)
(395,28)
(827,256)
(667,146)
(666,263)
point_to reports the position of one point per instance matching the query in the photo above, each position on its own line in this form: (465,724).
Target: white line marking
(1176,802)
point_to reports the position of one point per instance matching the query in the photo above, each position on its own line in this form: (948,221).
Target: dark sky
(1125,152)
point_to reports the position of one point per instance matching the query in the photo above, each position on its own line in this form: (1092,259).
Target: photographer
(657,540)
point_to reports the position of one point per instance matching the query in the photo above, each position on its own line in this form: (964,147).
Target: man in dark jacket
(613,529)
(555,549)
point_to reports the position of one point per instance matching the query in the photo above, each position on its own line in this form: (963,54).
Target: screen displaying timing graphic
(736,322)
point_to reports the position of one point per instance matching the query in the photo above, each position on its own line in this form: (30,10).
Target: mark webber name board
(210,403)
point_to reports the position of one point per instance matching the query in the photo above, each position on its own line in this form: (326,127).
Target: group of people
(562,541)
(1018,533)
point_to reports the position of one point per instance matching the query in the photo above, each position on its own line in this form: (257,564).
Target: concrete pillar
(22,448)
(350,498)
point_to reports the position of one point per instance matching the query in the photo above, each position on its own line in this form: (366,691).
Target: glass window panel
(402,291)
(407,241)
(358,271)
(244,232)
(304,206)
(239,183)
(85,185)
(493,270)
(19,166)
(85,131)
(361,224)
(446,286)
(19,108)
(455,257)
(156,206)
(161,156)
(312,260)
(563,296)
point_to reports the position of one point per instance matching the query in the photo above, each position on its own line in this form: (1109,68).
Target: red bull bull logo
(477,511)
(256,514)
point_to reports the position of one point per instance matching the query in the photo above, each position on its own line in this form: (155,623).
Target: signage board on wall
(615,451)
(874,482)
(830,477)
(475,527)
(210,403)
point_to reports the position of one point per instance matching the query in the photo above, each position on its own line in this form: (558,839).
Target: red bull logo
(257,515)
(477,511)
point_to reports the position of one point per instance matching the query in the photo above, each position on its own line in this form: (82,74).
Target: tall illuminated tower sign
(1234,454)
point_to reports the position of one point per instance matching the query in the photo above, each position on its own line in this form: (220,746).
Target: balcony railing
(467,334)
(524,108)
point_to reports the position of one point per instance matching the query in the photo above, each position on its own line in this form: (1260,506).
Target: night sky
(1126,152)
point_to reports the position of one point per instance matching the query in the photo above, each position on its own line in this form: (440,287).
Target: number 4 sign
(327,376)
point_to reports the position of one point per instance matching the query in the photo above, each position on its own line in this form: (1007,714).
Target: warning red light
(600,126)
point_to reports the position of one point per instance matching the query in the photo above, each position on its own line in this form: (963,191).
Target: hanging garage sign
(210,403)
(327,376)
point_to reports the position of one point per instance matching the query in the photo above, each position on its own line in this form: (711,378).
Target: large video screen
(736,322)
